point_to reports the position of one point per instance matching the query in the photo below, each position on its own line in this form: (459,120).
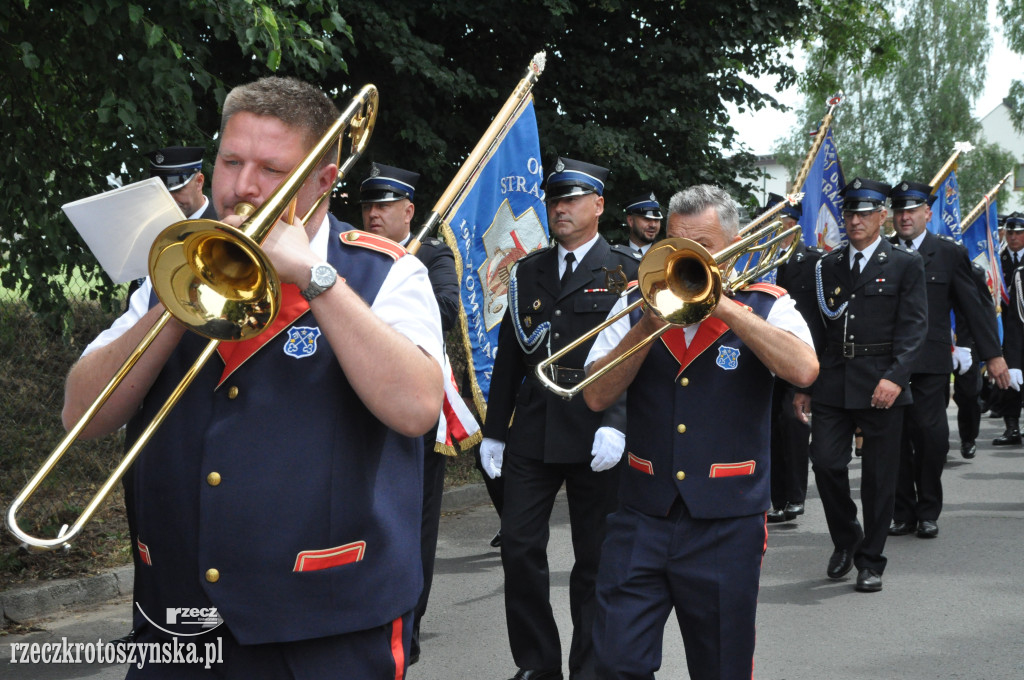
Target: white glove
(492,454)
(609,444)
(962,359)
(1016,378)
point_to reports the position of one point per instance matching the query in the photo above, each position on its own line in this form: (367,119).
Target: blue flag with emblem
(946,209)
(500,218)
(822,219)
(981,238)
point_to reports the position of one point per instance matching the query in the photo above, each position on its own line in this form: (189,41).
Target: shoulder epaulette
(770,288)
(433,241)
(624,250)
(381,244)
(536,253)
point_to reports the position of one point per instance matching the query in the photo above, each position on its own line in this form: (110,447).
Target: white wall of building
(997,128)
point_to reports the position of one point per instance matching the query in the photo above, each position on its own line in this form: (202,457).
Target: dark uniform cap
(386,184)
(1014,222)
(794,211)
(864,195)
(645,205)
(176,165)
(574,178)
(908,195)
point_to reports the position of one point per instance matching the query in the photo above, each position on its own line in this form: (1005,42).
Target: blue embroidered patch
(728,357)
(301,342)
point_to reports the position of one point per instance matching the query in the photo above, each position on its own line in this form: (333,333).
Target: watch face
(324,275)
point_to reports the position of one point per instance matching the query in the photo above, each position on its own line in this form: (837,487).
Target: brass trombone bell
(682,283)
(216,281)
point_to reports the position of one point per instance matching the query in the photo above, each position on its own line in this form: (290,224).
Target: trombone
(216,281)
(682,283)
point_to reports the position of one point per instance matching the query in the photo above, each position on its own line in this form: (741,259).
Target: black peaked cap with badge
(1014,222)
(908,195)
(864,195)
(176,165)
(794,211)
(574,178)
(387,183)
(645,205)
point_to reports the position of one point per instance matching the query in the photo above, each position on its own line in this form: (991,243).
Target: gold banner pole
(482,151)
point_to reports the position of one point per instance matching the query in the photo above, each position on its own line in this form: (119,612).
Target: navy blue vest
(702,434)
(312,520)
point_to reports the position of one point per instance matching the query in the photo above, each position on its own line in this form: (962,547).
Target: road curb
(31,602)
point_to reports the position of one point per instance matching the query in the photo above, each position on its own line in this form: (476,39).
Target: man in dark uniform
(643,218)
(555,295)
(872,297)
(967,381)
(1009,401)
(791,436)
(949,286)
(691,532)
(387,205)
(282,496)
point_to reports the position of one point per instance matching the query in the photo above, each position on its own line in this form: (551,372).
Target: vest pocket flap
(640,464)
(594,302)
(315,560)
(744,469)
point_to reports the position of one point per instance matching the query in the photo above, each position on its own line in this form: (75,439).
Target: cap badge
(159,158)
(653,198)
(559,166)
(904,186)
(856,184)
(375,172)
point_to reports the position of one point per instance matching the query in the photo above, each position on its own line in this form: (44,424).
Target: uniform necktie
(856,264)
(569,259)
(910,244)
(1016,261)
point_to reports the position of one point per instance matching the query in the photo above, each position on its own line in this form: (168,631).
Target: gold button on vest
(680,475)
(680,428)
(213,479)
(232,392)
(212,575)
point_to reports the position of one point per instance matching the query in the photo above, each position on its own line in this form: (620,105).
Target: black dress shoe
(927,529)
(496,541)
(126,640)
(868,581)
(901,527)
(968,449)
(549,674)
(775,516)
(1009,438)
(794,510)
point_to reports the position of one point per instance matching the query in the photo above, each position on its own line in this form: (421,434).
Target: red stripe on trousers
(397,650)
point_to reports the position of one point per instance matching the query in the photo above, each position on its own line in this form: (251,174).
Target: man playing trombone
(283,492)
(691,530)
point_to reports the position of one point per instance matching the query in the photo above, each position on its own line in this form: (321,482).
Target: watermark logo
(198,619)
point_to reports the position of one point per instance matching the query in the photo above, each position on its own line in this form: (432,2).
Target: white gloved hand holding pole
(1016,378)
(492,455)
(609,444)
(962,359)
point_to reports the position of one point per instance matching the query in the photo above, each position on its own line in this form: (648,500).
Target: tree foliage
(1012,14)
(637,86)
(909,101)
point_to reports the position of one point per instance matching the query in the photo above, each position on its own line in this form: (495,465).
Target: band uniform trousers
(926,431)
(966,393)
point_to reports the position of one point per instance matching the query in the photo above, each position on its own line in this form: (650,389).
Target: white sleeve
(610,337)
(138,305)
(406,302)
(784,315)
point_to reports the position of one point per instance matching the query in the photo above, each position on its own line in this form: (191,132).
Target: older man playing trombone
(691,530)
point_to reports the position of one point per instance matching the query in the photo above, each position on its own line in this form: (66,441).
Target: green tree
(638,86)
(910,100)
(1012,14)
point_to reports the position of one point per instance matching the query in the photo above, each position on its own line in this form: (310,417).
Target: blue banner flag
(500,218)
(946,209)
(981,238)
(822,220)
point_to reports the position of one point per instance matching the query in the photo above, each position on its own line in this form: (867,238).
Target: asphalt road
(951,607)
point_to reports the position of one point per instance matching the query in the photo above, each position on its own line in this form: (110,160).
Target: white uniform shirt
(406,287)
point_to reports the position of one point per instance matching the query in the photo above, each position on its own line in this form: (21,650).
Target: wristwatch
(323,277)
